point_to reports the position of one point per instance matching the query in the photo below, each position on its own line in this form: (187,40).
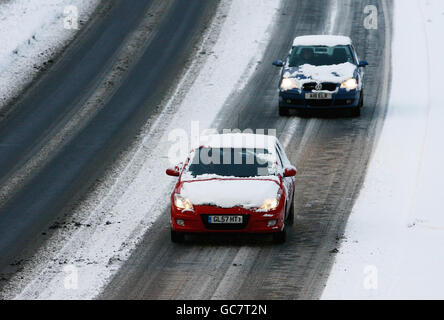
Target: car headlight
(270,204)
(289,84)
(182,203)
(349,84)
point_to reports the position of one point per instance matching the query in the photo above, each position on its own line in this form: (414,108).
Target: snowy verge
(393,240)
(31,35)
(122,208)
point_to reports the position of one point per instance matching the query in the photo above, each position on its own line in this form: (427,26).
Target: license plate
(318,95)
(225,219)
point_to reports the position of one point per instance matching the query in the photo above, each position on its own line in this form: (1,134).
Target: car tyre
(280,237)
(303,113)
(290,218)
(284,112)
(177,237)
(361,100)
(356,111)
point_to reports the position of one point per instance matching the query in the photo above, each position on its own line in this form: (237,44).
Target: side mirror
(173,172)
(290,172)
(363,64)
(278,63)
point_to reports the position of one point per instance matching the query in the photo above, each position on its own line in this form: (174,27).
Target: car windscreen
(231,162)
(320,55)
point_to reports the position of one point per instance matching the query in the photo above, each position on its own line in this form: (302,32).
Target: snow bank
(31,34)
(393,240)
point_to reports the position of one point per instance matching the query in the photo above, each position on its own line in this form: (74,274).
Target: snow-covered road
(233,45)
(393,242)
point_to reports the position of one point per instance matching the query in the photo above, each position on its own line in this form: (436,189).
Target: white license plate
(225,219)
(318,95)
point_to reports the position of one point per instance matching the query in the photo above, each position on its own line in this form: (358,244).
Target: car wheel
(303,113)
(356,111)
(290,218)
(280,237)
(284,112)
(177,237)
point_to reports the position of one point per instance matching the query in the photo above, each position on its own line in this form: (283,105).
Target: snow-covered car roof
(322,40)
(238,140)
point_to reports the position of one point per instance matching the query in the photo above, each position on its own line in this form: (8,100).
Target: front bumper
(342,99)
(254,222)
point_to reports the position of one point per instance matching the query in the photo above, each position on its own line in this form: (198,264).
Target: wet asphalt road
(331,152)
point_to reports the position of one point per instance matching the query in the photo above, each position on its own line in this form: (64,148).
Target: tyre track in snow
(331,153)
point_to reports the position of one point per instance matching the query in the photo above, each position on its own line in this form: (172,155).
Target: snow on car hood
(228,193)
(336,73)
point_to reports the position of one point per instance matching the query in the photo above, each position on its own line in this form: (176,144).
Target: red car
(241,183)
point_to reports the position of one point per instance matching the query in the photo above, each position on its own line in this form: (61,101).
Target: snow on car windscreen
(320,55)
(231,162)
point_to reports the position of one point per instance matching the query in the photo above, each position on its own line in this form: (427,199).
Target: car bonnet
(230,192)
(336,73)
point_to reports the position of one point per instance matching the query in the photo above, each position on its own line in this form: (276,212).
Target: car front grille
(238,226)
(327,86)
